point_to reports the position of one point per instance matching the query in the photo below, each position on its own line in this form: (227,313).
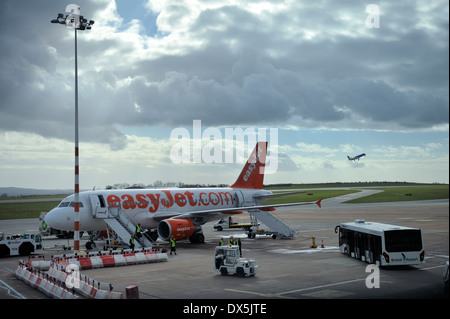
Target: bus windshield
(403,240)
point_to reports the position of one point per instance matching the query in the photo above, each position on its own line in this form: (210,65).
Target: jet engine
(178,228)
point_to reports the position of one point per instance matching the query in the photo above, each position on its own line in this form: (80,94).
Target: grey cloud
(378,102)
(250,70)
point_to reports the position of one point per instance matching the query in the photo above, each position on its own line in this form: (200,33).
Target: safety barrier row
(58,284)
(113,258)
(42,282)
(82,284)
(64,281)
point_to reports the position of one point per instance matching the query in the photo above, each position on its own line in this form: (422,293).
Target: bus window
(403,240)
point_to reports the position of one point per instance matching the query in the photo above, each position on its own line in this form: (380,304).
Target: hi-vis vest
(172,242)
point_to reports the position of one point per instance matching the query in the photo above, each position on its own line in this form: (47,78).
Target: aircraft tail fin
(252,175)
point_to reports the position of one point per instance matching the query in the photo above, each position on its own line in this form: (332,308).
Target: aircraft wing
(269,196)
(204,216)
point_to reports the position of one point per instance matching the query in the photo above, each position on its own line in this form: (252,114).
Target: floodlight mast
(77,22)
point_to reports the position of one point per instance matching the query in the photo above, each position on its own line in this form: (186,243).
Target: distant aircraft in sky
(357,157)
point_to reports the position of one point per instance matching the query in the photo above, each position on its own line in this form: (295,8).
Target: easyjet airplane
(175,211)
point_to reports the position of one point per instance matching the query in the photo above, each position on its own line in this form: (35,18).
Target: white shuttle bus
(381,244)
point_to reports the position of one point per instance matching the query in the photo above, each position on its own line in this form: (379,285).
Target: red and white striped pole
(76,21)
(76,227)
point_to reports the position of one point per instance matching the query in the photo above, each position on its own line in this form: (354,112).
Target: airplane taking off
(357,157)
(178,212)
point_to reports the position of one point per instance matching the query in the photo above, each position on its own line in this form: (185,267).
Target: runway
(288,269)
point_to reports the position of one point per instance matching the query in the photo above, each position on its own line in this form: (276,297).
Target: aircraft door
(99,209)
(239,198)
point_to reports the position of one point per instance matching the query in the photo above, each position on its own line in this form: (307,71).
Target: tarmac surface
(287,269)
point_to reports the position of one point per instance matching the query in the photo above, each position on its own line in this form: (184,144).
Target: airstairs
(118,221)
(122,226)
(273,223)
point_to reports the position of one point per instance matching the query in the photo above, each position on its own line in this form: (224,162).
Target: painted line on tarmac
(11,291)
(259,294)
(433,267)
(320,287)
(11,271)
(282,294)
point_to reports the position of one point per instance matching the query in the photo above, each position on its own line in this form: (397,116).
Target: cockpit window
(69,204)
(64,204)
(72,204)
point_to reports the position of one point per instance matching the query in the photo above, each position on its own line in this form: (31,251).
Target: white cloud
(308,65)
(289,64)
(315,148)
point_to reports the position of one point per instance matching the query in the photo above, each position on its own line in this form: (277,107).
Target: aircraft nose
(56,218)
(50,218)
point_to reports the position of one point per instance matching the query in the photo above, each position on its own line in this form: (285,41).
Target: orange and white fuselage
(177,212)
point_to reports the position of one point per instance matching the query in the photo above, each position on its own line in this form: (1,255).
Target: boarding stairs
(118,221)
(273,223)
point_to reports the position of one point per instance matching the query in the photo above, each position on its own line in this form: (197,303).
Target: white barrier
(41,264)
(53,282)
(52,286)
(39,280)
(113,258)
(96,262)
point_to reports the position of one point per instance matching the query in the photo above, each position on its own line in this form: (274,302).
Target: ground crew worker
(240,248)
(231,241)
(172,245)
(132,242)
(138,230)
(221,242)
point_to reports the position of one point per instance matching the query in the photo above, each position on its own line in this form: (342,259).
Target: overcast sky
(312,71)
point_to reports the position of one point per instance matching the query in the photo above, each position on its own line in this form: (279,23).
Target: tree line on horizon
(160,184)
